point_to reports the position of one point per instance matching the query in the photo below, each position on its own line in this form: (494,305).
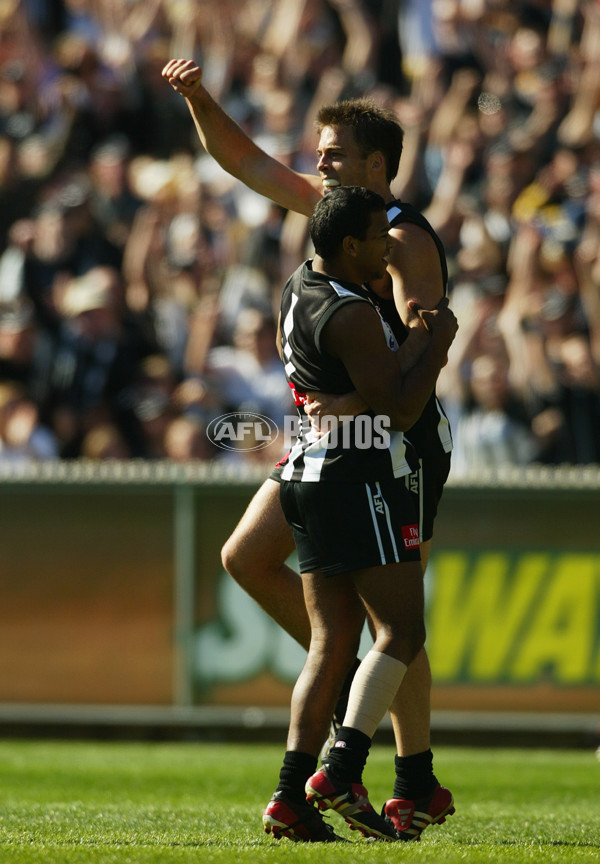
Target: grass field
(120,803)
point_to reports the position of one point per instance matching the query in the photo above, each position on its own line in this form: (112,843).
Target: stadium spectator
(186,440)
(491,431)
(92,363)
(18,336)
(151,392)
(104,441)
(22,437)
(249,374)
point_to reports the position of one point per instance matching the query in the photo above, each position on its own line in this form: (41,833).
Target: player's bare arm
(415,269)
(237,154)
(355,335)
(336,405)
(320,405)
(333,404)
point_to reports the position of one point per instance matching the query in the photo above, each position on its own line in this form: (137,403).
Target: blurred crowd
(139,283)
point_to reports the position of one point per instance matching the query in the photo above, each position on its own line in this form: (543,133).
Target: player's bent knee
(247,564)
(234,562)
(404,641)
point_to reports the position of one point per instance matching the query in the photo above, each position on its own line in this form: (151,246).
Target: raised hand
(184,76)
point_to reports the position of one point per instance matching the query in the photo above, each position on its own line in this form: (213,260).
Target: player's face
(374,249)
(340,162)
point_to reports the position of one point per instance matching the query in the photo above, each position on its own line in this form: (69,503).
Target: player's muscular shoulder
(353,329)
(355,335)
(415,265)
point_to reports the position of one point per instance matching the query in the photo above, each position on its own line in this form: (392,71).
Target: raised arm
(237,154)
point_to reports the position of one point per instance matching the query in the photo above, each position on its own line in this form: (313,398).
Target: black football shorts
(340,527)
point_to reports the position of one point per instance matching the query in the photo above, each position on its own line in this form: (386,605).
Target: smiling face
(349,229)
(340,160)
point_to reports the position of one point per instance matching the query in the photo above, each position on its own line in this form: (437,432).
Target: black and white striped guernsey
(308,301)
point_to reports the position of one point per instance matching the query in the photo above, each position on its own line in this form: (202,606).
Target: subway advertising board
(112,592)
(506,629)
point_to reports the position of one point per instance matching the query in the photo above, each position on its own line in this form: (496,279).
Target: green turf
(69,803)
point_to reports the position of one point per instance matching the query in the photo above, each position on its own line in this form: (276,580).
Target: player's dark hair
(375,129)
(344,211)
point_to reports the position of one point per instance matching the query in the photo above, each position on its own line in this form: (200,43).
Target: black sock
(295,771)
(348,756)
(414,776)
(342,703)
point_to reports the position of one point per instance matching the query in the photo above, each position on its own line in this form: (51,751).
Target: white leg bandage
(373,689)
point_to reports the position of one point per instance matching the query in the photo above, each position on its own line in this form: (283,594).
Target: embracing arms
(355,336)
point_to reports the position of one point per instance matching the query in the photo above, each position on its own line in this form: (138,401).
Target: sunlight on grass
(122,803)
